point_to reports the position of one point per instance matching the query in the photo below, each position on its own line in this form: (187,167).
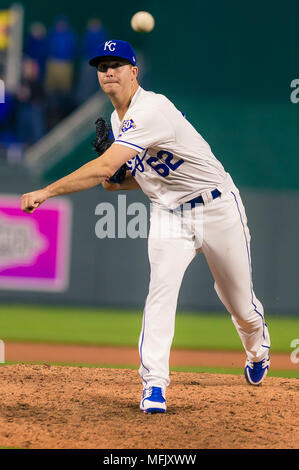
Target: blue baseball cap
(114,48)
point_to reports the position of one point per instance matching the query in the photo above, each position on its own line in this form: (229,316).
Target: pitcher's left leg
(227,250)
(171,250)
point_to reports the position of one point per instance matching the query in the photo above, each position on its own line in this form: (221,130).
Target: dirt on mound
(52,407)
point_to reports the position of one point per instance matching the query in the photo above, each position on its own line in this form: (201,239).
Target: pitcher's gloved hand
(104,139)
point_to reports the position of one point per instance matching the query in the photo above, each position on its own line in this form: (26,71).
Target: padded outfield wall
(115,272)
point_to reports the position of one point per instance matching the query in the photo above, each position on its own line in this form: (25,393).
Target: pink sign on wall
(35,248)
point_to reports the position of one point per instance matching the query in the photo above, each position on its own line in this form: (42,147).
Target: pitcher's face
(116,75)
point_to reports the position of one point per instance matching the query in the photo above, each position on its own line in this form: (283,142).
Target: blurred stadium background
(230,67)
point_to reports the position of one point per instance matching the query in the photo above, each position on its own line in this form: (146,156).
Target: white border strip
(2,351)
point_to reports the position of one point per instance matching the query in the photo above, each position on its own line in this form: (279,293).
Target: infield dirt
(55,407)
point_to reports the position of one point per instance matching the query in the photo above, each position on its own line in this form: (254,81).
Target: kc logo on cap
(111,46)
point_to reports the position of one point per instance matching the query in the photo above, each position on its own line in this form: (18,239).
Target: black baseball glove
(104,139)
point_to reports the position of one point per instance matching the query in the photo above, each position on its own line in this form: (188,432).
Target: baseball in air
(142,22)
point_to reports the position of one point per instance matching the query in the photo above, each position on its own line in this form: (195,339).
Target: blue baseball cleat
(255,372)
(153,400)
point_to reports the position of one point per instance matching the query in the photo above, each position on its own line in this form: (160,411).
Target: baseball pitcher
(196,207)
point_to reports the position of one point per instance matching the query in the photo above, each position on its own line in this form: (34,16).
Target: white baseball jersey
(173,163)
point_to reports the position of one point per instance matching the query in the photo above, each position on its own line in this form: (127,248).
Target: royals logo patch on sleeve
(128,124)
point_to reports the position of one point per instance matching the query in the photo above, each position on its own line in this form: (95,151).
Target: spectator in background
(94,35)
(59,71)
(62,50)
(30,117)
(36,46)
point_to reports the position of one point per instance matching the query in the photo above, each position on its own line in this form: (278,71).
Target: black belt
(199,200)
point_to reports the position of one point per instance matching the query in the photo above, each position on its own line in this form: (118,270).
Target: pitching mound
(51,407)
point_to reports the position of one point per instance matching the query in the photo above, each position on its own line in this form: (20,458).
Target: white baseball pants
(219,230)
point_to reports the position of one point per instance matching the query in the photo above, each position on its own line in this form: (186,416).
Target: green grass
(69,325)
(122,327)
(11,447)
